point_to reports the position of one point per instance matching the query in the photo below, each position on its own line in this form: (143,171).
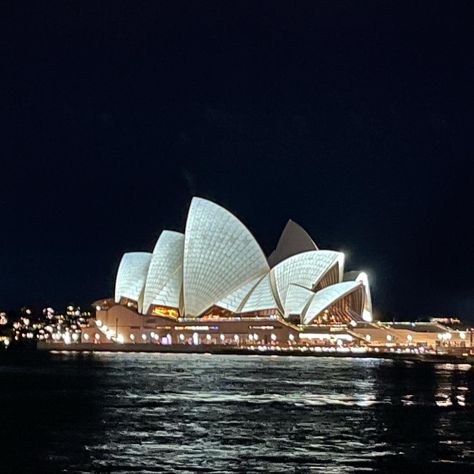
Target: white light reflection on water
(188,413)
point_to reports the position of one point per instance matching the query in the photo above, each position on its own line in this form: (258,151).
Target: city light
(75,327)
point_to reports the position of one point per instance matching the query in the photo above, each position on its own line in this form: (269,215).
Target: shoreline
(226,350)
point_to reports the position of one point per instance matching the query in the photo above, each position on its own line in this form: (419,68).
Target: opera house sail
(217,269)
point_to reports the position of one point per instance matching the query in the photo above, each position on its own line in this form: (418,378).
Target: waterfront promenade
(297,351)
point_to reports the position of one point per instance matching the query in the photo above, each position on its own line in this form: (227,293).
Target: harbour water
(114,412)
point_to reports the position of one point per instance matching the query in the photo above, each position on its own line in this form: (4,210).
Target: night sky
(354,119)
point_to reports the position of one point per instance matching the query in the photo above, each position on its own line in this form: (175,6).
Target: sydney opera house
(213,284)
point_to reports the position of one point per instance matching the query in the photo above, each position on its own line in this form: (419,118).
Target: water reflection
(190,413)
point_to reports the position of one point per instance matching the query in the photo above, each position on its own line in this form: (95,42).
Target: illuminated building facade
(217,268)
(214,284)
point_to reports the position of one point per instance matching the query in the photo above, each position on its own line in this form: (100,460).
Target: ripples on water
(197,413)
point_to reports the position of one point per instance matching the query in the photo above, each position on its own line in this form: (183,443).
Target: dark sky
(353,118)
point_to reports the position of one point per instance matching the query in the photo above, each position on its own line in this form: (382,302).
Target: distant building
(446,320)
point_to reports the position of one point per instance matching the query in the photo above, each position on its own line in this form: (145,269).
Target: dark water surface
(198,413)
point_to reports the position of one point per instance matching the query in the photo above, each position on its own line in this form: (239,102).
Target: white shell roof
(218,262)
(362,276)
(297,298)
(305,269)
(367,314)
(234,301)
(170,294)
(131,276)
(219,254)
(165,270)
(293,240)
(327,296)
(261,297)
